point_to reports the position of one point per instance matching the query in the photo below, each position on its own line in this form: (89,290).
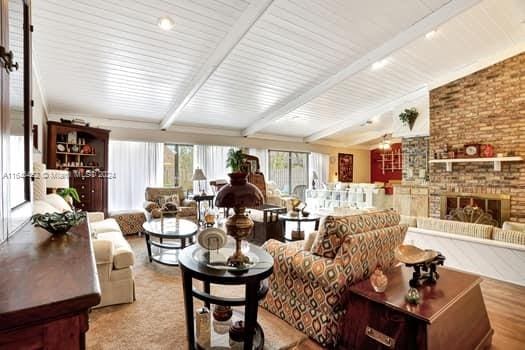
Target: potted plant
(69,194)
(409,116)
(235,160)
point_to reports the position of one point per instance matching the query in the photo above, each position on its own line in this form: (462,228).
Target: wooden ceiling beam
(417,30)
(249,17)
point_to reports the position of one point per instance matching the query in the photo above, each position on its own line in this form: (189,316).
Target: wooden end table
(299,219)
(199,198)
(451,314)
(253,279)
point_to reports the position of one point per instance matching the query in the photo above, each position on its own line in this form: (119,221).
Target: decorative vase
(237,332)
(413,296)
(378,280)
(222,313)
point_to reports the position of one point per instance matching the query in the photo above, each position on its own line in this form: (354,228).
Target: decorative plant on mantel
(409,116)
(234,160)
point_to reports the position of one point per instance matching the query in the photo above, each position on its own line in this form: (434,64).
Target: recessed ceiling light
(380,64)
(165,23)
(430,34)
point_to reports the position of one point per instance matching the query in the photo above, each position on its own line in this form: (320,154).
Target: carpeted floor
(156,319)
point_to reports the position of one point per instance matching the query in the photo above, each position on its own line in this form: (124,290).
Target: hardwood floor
(506,308)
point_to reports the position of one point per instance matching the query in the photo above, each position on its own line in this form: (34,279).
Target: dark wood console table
(47,286)
(451,314)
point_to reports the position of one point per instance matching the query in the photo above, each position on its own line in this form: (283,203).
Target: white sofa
(113,254)
(480,249)
(352,195)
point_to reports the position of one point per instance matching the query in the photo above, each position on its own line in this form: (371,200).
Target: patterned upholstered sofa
(307,287)
(187,208)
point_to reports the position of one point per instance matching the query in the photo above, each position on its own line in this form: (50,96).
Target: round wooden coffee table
(177,232)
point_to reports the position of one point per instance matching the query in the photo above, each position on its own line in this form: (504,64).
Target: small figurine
(378,280)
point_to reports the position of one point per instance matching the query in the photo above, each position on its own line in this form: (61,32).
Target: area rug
(156,319)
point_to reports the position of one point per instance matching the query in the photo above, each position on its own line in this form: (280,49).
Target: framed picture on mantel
(345,167)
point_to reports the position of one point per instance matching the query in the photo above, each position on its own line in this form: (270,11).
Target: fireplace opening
(488,209)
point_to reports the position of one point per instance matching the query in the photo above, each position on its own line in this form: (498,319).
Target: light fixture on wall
(165,23)
(385,144)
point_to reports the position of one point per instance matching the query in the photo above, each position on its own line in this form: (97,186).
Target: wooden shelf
(71,144)
(77,166)
(77,154)
(496,160)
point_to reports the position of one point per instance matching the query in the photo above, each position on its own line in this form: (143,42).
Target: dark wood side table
(203,198)
(252,279)
(451,314)
(299,219)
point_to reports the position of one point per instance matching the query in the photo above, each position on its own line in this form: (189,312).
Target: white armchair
(114,258)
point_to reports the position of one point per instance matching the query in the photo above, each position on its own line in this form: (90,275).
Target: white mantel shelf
(496,160)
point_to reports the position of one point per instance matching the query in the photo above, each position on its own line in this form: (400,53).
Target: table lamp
(198,175)
(56,179)
(239,194)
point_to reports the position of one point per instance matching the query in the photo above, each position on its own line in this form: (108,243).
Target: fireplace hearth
(471,207)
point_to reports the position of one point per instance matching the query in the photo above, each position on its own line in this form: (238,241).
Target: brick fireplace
(494,206)
(485,107)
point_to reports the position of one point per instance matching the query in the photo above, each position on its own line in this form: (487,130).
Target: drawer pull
(380,337)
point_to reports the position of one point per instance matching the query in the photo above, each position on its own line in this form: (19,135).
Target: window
(289,170)
(178,165)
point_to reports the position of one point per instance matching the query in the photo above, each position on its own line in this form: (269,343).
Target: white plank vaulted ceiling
(109,59)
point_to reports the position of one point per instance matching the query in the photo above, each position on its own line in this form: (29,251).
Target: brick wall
(485,107)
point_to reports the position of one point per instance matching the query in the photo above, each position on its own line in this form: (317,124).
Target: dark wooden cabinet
(451,315)
(83,151)
(91,191)
(49,283)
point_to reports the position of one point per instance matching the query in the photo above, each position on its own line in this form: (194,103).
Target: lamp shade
(56,178)
(314,175)
(239,193)
(198,175)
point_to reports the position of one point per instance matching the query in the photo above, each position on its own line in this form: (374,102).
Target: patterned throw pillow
(172,198)
(151,206)
(334,229)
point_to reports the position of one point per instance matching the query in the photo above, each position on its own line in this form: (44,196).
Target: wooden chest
(451,315)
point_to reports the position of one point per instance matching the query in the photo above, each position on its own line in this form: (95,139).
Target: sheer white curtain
(136,165)
(262,154)
(320,163)
(212,160)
